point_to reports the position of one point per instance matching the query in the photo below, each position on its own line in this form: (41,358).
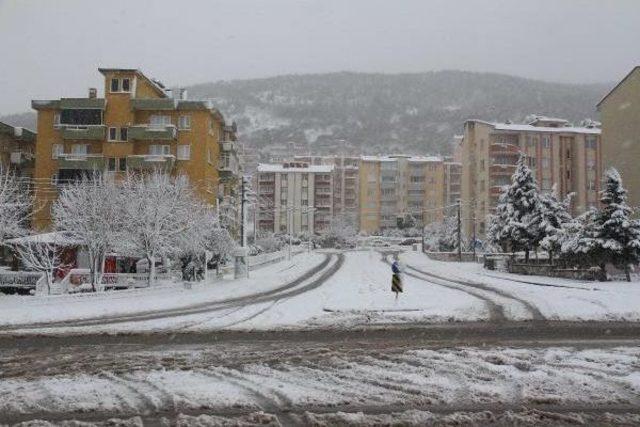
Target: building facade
(558,154)
(138,125)
(294,197)
(346,202)
(392,187)
(17,150)
(620,117)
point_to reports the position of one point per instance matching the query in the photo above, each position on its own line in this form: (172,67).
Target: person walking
(396,280)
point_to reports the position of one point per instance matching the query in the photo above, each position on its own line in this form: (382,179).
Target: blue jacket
(395,267)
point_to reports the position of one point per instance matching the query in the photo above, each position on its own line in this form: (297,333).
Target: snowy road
(296,377)
(321,340)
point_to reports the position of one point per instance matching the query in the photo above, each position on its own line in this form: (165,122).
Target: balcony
(83,103)
(148,162)
(497,148)
(499,169)
(229,146)
(152,133)
(153,104)
(81,161)
(89,132)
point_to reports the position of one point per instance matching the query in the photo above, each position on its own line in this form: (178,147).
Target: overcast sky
(52,48)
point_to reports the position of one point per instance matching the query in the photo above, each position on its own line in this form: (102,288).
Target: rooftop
(543,129)
(294,167)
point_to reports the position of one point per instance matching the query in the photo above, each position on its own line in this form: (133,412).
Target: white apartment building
(294,197)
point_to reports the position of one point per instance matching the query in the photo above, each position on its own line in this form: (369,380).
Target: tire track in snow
(496,311)
(193,309)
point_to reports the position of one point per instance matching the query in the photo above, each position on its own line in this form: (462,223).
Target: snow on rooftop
(271,167)
(531,128)
(56,237)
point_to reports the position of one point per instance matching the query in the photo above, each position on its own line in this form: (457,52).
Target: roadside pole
(459,233)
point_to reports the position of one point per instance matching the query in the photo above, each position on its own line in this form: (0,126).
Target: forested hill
(390,112)
(415,113)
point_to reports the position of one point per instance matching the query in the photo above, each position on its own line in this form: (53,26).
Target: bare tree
(44,257)
(159,214)
(16,205)
(88,212)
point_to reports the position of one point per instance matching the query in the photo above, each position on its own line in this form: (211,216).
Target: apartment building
(620,116)
(294,197)
(346,182)
(392,187)
(17,149)
(138,125)
(557,153)
(452,185)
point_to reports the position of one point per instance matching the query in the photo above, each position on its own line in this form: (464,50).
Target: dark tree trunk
(627,273)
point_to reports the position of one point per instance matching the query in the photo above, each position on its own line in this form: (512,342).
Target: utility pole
(242,202)
(459,233)
(473,223)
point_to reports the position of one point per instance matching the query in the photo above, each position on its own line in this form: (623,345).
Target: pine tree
(515,224)
(578,241)
(618,234)
(553,215)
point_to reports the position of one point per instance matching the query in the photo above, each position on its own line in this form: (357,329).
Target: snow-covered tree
(443,236)
(15,205)
(88,211)
(578,241)
(553,215)
(44,257)
(618,234)
(342,230)
(515,225)
(157,211)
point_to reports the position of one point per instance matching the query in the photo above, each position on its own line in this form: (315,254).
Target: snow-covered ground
(357,295)
(15,309)
(321,379)
(557,299)
(360,294)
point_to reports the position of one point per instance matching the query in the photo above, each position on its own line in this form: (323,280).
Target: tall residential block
(346,182)
(392,187)
(138,125)
(620,116)
(294,197)
(558,154)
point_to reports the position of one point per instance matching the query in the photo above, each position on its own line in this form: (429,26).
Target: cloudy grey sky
(52,48)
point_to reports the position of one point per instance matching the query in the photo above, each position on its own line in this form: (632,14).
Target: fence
(79,276)
(20,280)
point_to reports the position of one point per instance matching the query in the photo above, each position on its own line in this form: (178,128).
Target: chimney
(93,92)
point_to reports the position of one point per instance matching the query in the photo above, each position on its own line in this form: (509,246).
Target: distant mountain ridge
(415,113)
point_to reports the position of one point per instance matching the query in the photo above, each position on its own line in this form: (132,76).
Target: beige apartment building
(392,187)
(294,197)
(558,154)
(620,116)
(346,183)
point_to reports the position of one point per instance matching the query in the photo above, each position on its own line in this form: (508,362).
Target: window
(591,184)
(81,116)
(56,119)
(546,142)
(184,152)
(123,164)
(126,85)
(159,120)
(209,157)
(159,150)
(532,162)
(113,134)
(79,149)
(111,165)
(56,150)
(592,142)
(123,134)
(184,123)
(545,163)
(115,85)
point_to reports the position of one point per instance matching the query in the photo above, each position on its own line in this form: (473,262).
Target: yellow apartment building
(558,154)
(137,125)
(620,116)
(392,187)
